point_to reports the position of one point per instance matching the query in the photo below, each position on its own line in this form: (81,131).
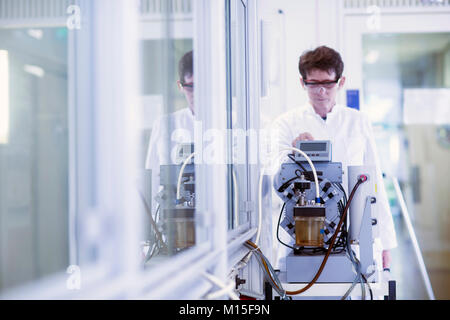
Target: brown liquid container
(309,225)
(184,232)
(309,231)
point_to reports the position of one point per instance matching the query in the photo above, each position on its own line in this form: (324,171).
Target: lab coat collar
(331,114)
(189,113)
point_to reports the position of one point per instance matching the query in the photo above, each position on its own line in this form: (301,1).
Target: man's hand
(302,137)
(386,255)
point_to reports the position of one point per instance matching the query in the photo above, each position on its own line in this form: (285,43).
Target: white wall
(304,25)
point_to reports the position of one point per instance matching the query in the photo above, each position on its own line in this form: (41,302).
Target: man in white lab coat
(172,129)
(348,130)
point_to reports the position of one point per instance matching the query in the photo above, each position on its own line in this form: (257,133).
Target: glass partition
(238,118)
(167,186)
(34,148)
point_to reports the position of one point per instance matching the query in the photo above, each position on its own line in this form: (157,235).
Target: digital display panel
(313,146)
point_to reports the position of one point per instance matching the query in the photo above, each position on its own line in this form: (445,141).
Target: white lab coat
(162,145)
(352,141)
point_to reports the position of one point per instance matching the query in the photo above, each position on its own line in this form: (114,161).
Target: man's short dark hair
(322,58)
(186,65)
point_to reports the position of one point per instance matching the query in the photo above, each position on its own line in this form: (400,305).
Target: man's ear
(302,82)
(180,87)
(341,82)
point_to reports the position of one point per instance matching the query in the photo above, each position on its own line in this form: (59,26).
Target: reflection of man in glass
(348,130)
(180,124)
(186,82)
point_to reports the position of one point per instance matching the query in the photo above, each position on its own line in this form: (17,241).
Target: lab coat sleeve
(153,160)
(152,153)
(280,137)
(385,222)
(282,133)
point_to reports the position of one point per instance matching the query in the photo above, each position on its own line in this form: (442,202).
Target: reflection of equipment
(177,199)
(443,136)
(323,251)
(183,151)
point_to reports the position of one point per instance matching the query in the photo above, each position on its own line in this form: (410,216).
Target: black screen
(313,146)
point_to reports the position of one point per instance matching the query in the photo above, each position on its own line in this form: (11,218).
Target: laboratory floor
(405,268)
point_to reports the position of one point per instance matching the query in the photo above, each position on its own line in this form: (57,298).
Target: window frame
(181,277)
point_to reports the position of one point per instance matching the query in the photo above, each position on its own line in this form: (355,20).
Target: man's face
(187,87)
(322,97)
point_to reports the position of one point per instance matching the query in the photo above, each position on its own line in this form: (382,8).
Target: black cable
(325,259)
(278,228)
(343,190)
(286,184)
(270,274)
(303,250)
(338,247)
(292,157)
(342,240)
(152,222)
(158,209)
(311,251)
(340,243)
(308,174)
(368,285)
